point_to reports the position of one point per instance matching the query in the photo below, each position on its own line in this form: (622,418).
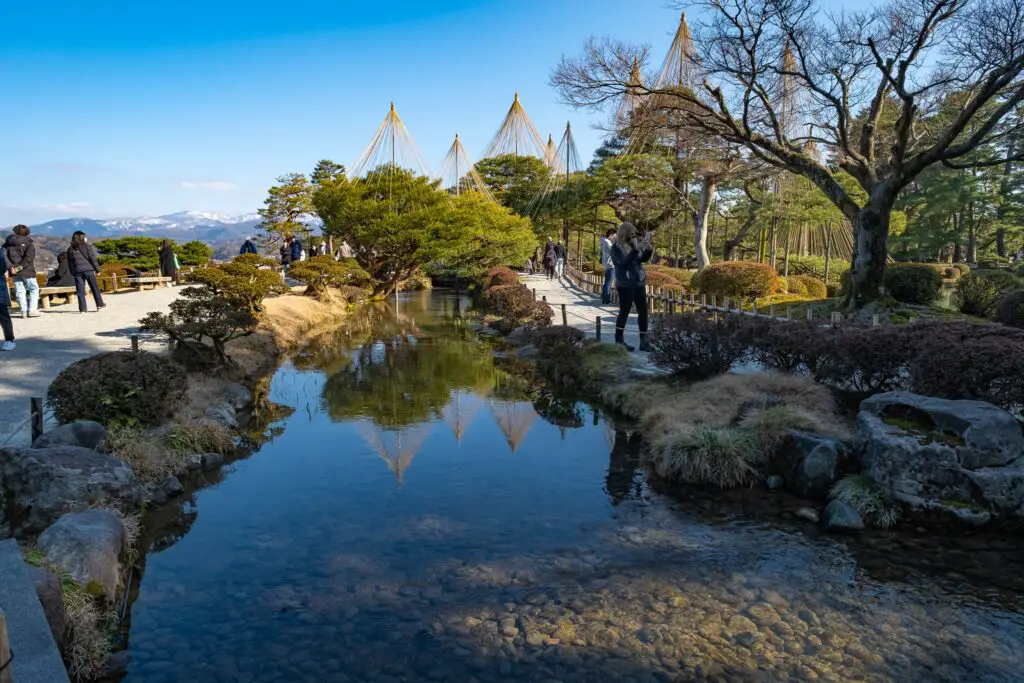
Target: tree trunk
(700,221)
(1001,242)
(871,234)
(972,236)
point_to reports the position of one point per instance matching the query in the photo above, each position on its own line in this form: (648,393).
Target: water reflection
(426,514)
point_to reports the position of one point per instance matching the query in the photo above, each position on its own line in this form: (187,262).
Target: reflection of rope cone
(514,418)
(396,447)
(459,416)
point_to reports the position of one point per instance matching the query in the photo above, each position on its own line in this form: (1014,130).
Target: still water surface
(423,515)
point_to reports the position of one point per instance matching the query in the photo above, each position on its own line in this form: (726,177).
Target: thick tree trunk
(1001,242)
(729,248)
(871,234)
(700,222)
(972,236)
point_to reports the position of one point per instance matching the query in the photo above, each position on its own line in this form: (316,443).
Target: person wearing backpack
(21,265)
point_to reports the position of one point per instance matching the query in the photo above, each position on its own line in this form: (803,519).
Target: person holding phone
(629,253)
(21,265)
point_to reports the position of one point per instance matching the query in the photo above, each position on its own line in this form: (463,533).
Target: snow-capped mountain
(181,225)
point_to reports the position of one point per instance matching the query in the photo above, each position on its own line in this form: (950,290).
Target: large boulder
(809,463)
(937,454)
(81,433)
(223,413)
(38,484)
(89,546)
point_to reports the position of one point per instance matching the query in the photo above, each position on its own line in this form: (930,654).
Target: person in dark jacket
(84,266)
(62,276)
(560,255)
(286,253)
(168,261)
(247,247)
(629,254)
(21,264)
(550,256)
(6,325)
(296,248)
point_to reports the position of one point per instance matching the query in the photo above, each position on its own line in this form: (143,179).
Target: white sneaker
(7,346)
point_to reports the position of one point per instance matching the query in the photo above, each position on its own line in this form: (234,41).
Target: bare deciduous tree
(870,85)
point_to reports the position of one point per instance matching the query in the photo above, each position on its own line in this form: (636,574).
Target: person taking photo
(629,254)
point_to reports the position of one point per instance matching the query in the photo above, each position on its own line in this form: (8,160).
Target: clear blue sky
(128,107)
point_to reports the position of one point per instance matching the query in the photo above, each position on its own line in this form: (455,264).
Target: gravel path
(59,337)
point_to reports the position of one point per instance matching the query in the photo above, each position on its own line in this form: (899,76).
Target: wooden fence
(670,302)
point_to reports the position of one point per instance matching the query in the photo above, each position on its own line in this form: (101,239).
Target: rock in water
(841,516)
(808,514)
(224,414)
(236,396)
(929,452)
(775,482)
(172,487)
(37,485)
(809,463)
(89,546)
(48,590)
(81,433)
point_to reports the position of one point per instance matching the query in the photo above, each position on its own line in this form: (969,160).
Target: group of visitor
(554,258)
(292,251)
(77,266)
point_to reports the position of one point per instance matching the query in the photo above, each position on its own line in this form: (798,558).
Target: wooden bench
(141,283)
(46,295)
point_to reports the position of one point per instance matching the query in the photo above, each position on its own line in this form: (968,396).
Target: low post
(789,312)
(565,317)
(36,408)
(597,328)
(135,343)
(6,671)
(754,308)
(714,306)
(836,318)
(874,320)
(544,298)
(534,290)
(771,311)
(810,314)
(703,300)
(114,276)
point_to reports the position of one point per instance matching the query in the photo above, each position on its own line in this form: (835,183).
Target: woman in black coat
(61,277)
(168,264)
(84,265)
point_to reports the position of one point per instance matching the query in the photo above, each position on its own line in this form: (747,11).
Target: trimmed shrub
(508,301)
(1011,310)
(661,280)
(683,278)
(863,360)
(322,272)
(989,368)
(795,287)
(539,314)
(498,276)
(816,288)
(913,283)
(698,346)
(119,387)
(951,273)
(246,285)
(736,279)
(963,268)
(789,347)
(979,293)
(256,261)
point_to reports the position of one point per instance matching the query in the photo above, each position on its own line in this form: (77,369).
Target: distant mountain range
(180,226)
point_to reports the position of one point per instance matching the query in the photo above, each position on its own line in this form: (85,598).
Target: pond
(424,515)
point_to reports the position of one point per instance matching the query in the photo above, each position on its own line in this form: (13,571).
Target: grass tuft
(724,457)
(770,425)
(868,498)
(156,456)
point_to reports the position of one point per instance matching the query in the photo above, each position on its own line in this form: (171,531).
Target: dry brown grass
(156,455)
(634,399)
(723,457)
(719,401)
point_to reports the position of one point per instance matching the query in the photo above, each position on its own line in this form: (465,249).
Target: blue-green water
(416,519)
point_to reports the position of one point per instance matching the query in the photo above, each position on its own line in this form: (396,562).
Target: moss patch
(919,424)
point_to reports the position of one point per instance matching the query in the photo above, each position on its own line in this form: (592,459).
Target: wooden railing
(669,302)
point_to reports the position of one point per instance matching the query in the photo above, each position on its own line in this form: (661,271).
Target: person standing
(247,247)
(21,264)
(629,254)
(550,257)
(560,255)
(609,268)
(168,261)
(84,266)
(6,324)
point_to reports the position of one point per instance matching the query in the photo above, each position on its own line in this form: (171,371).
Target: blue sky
(124,107)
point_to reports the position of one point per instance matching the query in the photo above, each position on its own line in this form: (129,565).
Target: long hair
(627,231)
(77,238)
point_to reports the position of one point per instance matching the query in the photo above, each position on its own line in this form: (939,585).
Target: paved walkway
(59,337)
(582,310)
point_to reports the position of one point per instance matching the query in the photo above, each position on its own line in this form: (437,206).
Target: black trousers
(627,297)
(5,322)
(80,280)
